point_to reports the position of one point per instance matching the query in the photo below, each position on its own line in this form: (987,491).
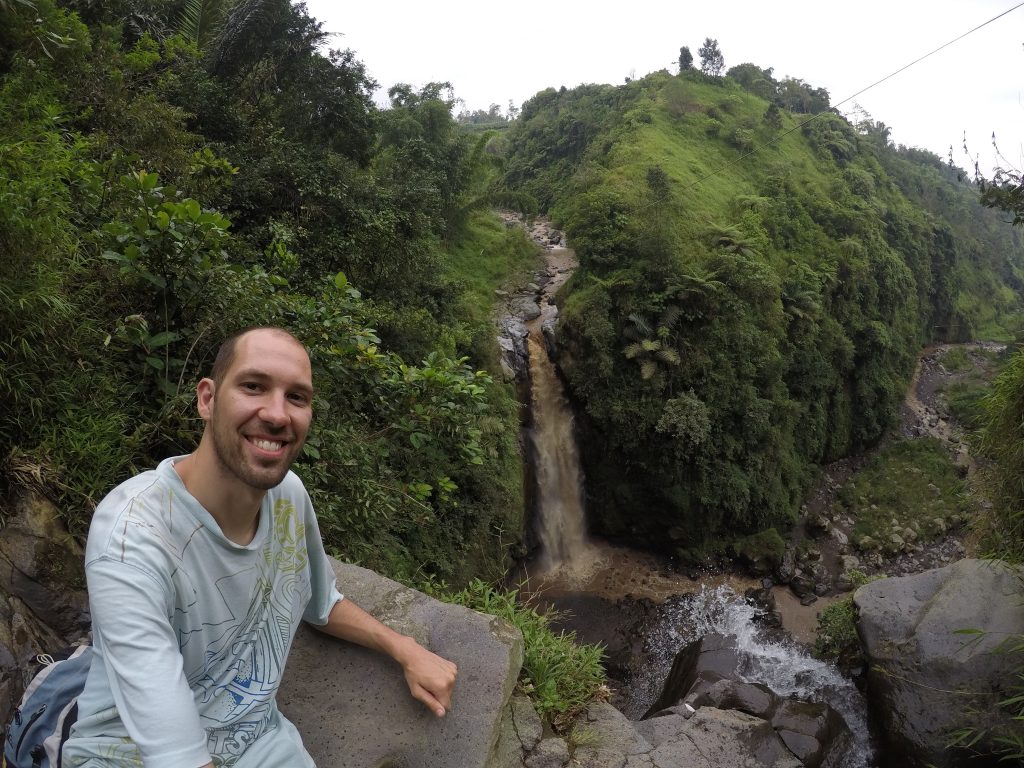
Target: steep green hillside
(754,288)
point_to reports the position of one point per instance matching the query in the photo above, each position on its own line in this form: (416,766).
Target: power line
(778,138)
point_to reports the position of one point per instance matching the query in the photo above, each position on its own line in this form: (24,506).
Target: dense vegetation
(757,277)
(172,171)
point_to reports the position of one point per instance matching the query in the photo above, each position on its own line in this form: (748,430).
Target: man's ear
(205,391)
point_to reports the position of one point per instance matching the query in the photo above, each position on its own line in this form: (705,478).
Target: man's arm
(430,678)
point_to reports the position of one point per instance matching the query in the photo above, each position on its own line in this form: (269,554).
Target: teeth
(267,445)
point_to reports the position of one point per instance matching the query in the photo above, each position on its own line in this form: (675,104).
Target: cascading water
(561,525)
(785,667)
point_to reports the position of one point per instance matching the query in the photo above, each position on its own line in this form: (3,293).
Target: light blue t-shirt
(192,631)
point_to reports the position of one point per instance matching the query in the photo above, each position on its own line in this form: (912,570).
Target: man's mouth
(267,445)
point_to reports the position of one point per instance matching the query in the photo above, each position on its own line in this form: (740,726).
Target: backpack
(48,709)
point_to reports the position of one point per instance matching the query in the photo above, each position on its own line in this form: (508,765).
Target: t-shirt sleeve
(323,582)
(144,666)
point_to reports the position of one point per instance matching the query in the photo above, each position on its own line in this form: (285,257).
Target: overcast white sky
(496,52)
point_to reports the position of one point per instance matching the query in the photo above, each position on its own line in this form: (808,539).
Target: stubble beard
(229,452)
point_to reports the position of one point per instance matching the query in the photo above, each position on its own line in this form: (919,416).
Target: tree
(711,60)
(685,59)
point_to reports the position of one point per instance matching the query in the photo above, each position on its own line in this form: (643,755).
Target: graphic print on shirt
(235,689)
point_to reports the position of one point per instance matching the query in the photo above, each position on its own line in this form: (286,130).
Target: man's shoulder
(140,486)
(140,504)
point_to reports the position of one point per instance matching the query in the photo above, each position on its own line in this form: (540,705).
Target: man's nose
(274,410)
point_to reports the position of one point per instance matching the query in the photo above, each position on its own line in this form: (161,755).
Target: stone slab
(353,708)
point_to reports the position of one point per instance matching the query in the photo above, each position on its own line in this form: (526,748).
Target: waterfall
(561,524)
(784,666)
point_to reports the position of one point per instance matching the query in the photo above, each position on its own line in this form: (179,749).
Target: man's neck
(235,506)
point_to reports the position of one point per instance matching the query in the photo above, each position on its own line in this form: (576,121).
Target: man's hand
(430,678)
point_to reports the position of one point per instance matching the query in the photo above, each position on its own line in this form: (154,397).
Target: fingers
(431,680)
(422,694)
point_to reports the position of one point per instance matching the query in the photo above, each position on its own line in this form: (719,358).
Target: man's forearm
(350,622)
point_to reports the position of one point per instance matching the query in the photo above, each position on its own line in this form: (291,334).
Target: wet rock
(752,698)
(801,586)
(809,599)
(714,737)
(713,657)
(526,307)
(812,731)
(787,568)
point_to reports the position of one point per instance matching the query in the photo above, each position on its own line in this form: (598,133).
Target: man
(199,572)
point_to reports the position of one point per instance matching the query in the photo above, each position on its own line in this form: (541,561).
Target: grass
(559,675)
(490,255)
(910,484)
(963,399)
(836,638)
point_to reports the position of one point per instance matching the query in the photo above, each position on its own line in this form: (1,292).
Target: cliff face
(754,287)
(43,603)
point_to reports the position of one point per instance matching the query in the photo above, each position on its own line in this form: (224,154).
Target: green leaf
(156,280)
(162,339)
(155,362)
(166,387)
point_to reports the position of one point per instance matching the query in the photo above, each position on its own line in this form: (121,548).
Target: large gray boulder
(924,679)
(352,705)
(712,738)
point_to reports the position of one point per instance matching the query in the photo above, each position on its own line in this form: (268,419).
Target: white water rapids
(785,667)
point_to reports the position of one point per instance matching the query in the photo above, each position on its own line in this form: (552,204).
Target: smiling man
(199,572)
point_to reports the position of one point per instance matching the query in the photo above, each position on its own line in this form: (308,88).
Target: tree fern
(201,19)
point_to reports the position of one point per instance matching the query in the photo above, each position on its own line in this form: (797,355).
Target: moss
(762,551)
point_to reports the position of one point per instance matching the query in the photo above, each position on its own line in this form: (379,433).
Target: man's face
(259,414)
